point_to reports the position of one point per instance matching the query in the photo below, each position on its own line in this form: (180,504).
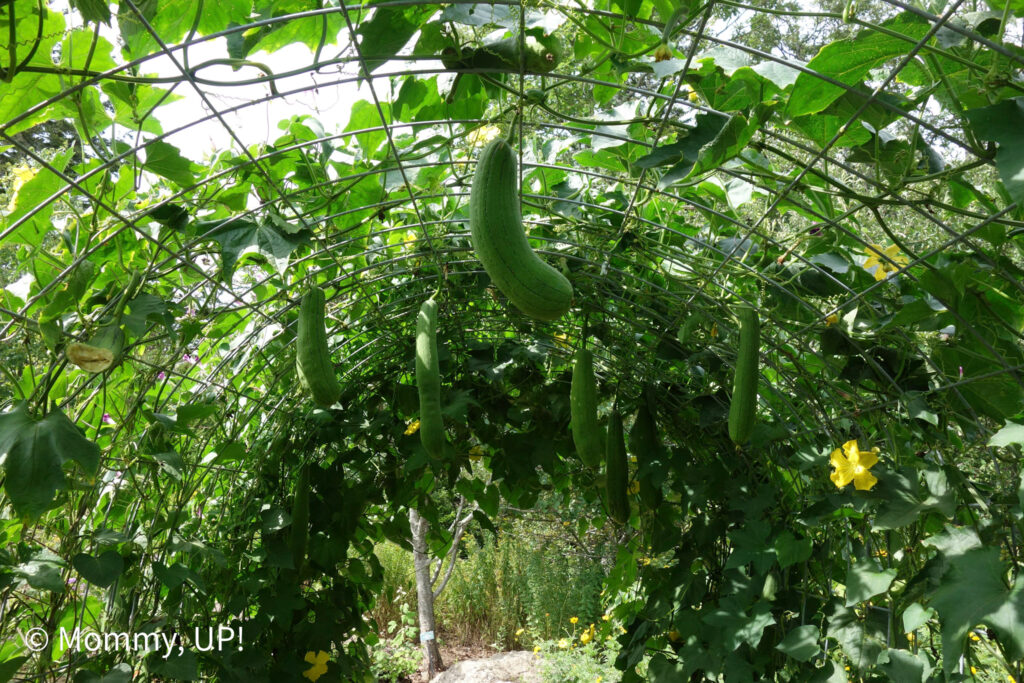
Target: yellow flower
(599,679)
(319,662)
(413,427)
(562,340)
(573,620)
(886,261)
(974,636)
(520,632)
(714,331)
(483,135)
(634,487)
(645,561)
(585,637)
(852,464)
(674,636)
(536,649)
(606,617)
(563,643)
(565,523)
(662,53)
(831,320)
(911,638)
(974,672)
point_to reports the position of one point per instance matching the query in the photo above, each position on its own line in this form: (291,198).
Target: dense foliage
(854,174)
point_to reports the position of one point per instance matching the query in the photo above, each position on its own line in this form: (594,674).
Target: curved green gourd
(496,230)
(646,446)
(428,380)
(743,406)
(583,410)
(312,357)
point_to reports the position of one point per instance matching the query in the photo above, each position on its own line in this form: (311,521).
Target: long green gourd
(496,230)
(583,409)
(743,406)
(646,446)
(428,380)
(616,470)
(312,357)
(300,519)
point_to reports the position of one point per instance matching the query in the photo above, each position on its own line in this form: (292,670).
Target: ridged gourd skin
(646,446)
(428,380)
(743,405)
(300,519)
(312,357)
(496,230)
(616,470)
(586,434)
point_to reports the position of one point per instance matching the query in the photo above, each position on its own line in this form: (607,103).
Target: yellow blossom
(413,427)
(483,135)
(585,637)
(886,261)
(606,617)
(565,523)
(662,53)
(911,638)
(319,662)
(520,632)
(563,643)
(974,636)
(634,487)
(573,620)
(645,561)
(674,636)
(974,672)
(562,340)
(852,464)
(831,320)
(536,649)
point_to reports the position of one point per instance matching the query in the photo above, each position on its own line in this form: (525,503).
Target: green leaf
(737,627)
(11,667)
(35,451)
(33,194)
(388,31)
(101,571)
(862,638)
(166,160)
(661,669)
(1011,433)
(44,572)
(849,61)
(1004,123)
(903,666)
(916,616)
(790,550)
(239,237)
(181,666)
(974,592)
(801,643)
(863,582)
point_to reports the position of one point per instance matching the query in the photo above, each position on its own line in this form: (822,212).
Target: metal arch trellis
(394,281)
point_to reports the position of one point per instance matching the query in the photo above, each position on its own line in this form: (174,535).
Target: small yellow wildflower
(319,662)
(846,668)
(585,637)
(573,620)
(563,643)
(536,649)
(831,320)
(413,427)
(974,672)
(634,487)
(632,458)
(562,340)
(714,331)
(520,632)
(565,523)
(974,636)
(891,264)
(606,617)
(911,638)
(622,629)
(599,679)
(852,464)
(645,561)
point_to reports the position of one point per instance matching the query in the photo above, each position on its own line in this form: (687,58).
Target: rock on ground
(505,667)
